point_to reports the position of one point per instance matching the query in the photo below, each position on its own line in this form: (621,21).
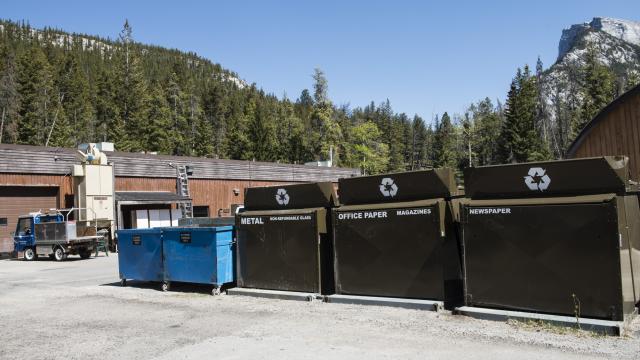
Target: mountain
(624,30)
(616,44)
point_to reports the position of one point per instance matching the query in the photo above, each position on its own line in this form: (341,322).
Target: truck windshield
(24,226)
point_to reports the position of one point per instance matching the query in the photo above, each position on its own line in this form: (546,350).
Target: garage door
(20,200)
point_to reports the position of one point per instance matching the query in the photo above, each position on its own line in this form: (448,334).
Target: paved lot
(76,310)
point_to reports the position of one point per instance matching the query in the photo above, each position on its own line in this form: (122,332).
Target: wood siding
(216,194)
(614,131)
(63,183)
(18,200)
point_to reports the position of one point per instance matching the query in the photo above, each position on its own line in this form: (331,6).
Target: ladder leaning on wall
(183,190)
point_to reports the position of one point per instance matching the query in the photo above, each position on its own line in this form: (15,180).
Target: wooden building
(614,131)
(36,178)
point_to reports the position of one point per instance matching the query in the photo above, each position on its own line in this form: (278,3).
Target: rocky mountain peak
(625,30)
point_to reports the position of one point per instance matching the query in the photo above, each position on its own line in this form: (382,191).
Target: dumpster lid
(298,196)
(608,174)
(397,187)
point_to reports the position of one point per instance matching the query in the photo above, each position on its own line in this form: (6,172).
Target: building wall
(23,193)
(614,131)
(217,194)
(63,183)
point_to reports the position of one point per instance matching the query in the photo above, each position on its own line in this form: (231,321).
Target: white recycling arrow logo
(537,179)
(388,188)
(282,197)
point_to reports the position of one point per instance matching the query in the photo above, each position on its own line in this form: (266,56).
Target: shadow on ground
(178,287)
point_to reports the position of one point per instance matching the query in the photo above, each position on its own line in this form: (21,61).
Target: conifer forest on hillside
(59,89)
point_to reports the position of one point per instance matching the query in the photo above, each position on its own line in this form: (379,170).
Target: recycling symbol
(537,179)
(388,187)
(282,197)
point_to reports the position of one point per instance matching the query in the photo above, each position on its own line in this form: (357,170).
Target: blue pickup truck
(53,235)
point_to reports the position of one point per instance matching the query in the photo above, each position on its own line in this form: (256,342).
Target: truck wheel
(166,286)
(59,254)
(85,254)
(30,254)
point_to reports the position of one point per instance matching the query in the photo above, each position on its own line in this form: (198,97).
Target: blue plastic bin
(140,255)
(199,255)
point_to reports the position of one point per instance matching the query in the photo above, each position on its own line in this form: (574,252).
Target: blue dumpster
(140,255)
(199,255)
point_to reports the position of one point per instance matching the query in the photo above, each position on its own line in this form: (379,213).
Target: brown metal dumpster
(557,237)
(394,236)
(283,243)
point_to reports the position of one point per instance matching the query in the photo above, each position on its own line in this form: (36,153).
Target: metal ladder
(183,190)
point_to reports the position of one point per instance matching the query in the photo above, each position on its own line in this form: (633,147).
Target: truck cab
(24,239)
(49,234)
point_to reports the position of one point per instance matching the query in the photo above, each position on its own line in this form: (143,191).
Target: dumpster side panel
(633,226)
(389,252)
(189,255)
(225,255)
(544,258)
(140,254)
(279,252)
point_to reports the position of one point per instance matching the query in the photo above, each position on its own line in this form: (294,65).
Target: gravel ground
(76,310)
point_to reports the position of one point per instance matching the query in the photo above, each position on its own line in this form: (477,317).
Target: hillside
(61,89)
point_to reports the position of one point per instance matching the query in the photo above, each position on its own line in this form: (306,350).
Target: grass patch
(553,328)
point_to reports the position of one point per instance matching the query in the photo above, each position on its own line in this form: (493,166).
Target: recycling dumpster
(202,255)
(558,237)
(394,237)
(283,243)
(140,255)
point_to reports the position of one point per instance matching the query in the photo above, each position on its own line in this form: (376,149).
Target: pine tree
(488,123)
(200,133)
(78,113)
(418,144)
(293,145)
(35,86)
(542,115)
(444,147)
(159,136)
(520,140)
(393,127)
(598,89)
(633,80)
(9,98)
(131,97)
(327,133)
(262,134)
(61,133)
(109,125)
(180,132)
(203,145)
(239,143)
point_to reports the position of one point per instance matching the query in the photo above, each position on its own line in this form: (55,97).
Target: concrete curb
(417,304)
(609,327)
(275,294)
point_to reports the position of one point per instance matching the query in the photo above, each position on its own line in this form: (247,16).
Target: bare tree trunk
(2,125)
(55,117)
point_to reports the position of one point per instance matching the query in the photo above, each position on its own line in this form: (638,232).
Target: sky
(426,57)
